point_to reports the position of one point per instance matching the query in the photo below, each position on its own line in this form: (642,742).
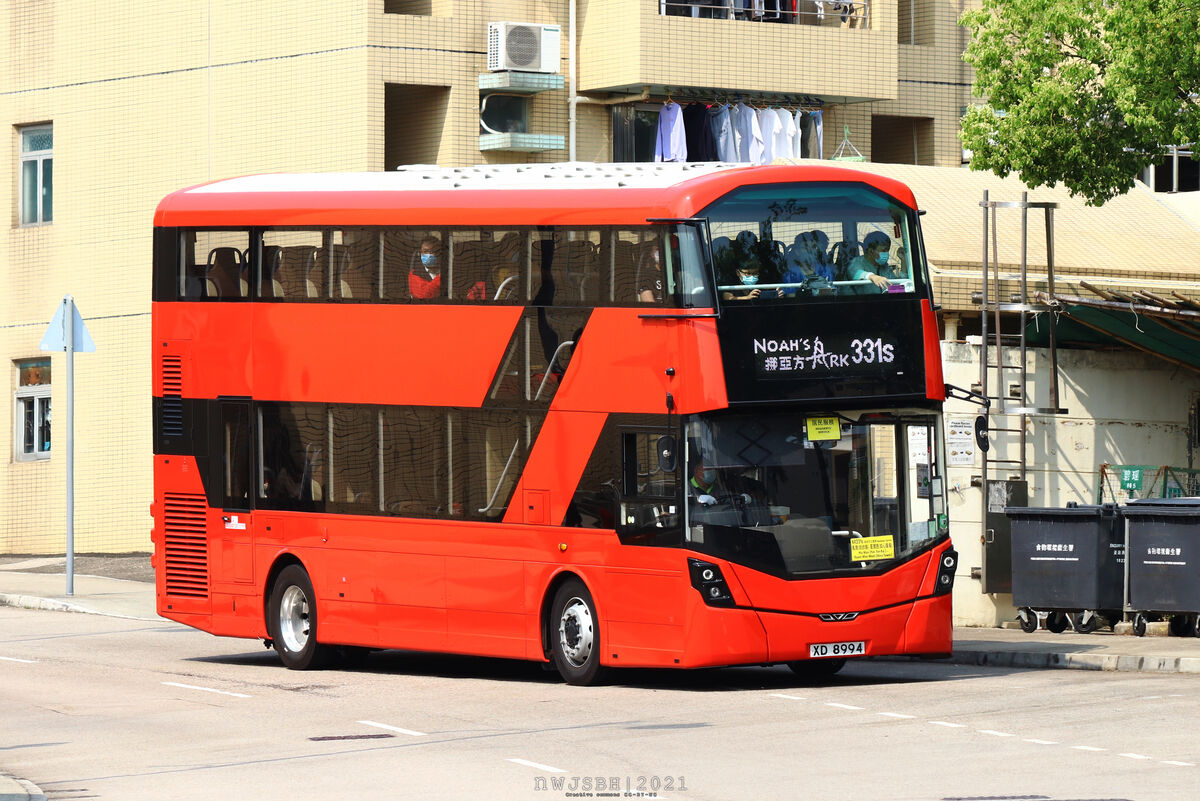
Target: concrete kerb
(19,790)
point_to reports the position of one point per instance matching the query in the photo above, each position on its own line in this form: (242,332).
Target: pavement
(123,586)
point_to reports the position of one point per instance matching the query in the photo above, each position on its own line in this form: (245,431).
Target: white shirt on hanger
(750,141)
(670,144)
(767,123)
(785,133)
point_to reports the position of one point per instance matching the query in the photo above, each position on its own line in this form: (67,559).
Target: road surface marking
(842,706)
(1088,748)
(994,733)
(205,689)
(896,715)
(538,766)
(788,697)
(1036,741)
(14,659)
(1179,764)
(1134,756)
(948,725)
(397,729)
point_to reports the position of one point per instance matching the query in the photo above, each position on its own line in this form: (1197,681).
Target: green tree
(1086,92)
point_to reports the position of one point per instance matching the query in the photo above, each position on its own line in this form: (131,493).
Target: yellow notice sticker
(823,428)
(870,549)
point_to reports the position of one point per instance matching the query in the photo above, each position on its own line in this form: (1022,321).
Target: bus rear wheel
(575,634)
(292,621)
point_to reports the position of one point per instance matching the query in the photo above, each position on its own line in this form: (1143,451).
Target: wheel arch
(282,561)
(547,626)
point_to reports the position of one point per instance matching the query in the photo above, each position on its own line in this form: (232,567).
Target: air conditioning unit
(523,47)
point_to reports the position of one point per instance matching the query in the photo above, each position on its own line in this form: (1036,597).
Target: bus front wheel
(575,634)
(292,620)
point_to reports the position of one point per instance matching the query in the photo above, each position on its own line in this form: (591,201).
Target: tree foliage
(1086,92)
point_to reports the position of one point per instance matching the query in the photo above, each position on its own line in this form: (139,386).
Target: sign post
(68,333)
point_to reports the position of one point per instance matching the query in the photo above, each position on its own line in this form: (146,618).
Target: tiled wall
(147,96)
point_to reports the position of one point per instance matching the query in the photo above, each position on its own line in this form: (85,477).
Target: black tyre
(1180,626)
(292,621)
(1029,620)
(1057,622)
(1085,622)
(1139,625)
(575,634)
(816,669)
(1195,625)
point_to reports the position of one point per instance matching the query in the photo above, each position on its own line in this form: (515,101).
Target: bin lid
(1193,501)
(1163,507)
(1058,511)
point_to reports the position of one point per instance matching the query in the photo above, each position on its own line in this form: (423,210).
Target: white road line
(205,689)
(842,706)
(1179,764)
(397,729)
(896,715)
(14,659)
(1036,741)
(538,766)
(947,725)
(1087,748)
(788,697)
(1134,756)
(995,733)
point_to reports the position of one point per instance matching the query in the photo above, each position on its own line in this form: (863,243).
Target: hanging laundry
(800,144)
(723,134)
(700,143)
(785,133)
(805,120)
(818,136)
(750,141)
(767,122)
(670,144)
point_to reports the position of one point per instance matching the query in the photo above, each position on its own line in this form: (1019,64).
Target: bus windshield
(793,242)
(794,494)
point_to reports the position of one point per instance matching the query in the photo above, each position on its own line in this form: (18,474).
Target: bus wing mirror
(666,454)
(981,433)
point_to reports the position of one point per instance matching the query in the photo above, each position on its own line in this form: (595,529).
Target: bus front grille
(185,544)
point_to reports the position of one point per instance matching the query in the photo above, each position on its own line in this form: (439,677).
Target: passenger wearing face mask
(874,262)
(425,276)
(747,275)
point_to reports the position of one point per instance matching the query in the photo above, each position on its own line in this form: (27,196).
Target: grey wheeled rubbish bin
(1068,565)
(1164,562)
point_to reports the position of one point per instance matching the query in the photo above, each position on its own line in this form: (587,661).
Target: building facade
(111,106)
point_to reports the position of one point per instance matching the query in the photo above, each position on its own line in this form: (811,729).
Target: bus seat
(294,263)
(224,272)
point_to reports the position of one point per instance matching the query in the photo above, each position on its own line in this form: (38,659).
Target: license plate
(826,650)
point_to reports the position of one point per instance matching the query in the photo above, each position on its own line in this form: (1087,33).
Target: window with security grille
(37,174)
(32,410)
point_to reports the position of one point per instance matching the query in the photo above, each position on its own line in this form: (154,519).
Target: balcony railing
(849,13)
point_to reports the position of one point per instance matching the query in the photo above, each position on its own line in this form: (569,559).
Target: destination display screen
(823,350)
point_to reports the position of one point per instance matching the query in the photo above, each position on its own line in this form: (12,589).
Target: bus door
(230,530)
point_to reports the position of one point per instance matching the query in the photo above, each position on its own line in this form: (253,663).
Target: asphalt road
(104,708)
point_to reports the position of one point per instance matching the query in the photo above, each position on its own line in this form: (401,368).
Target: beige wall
(147,96)
(1122,408)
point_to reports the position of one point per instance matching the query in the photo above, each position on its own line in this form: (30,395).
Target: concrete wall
(1122,408)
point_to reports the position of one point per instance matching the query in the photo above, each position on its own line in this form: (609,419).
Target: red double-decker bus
(593,415)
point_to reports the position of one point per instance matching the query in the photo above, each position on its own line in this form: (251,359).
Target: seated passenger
(425,275)
(874,262)
(747,275)
(650,276)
